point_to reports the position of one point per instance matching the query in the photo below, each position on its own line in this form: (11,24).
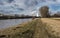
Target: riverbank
(25,30)
(38,28)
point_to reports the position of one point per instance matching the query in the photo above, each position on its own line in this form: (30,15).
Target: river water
(12,22)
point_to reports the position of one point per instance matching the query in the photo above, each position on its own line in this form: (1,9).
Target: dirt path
(40,31)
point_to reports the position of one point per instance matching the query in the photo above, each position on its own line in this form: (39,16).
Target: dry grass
(56,19)
(25,30)
(52,27)
(39,28)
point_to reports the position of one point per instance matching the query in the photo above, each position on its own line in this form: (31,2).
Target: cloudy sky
(27,6)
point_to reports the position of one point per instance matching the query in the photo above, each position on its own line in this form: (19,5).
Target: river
(11,22)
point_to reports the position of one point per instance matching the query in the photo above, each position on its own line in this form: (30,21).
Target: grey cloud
(18,6)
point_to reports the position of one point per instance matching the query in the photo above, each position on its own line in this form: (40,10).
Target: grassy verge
(25,30)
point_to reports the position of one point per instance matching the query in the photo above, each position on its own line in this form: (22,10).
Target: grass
(56,19)
(25,30)
(52,27)
(38,28)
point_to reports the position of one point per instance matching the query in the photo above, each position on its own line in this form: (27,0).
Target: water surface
(12,22)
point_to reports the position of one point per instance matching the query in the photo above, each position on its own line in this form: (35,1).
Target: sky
(27,6)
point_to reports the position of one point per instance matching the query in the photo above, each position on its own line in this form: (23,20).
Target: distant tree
(56,14)
(44,11)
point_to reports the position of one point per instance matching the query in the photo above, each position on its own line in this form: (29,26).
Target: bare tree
(44,11)
(56,14)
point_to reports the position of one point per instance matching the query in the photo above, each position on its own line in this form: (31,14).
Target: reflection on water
(12,22)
